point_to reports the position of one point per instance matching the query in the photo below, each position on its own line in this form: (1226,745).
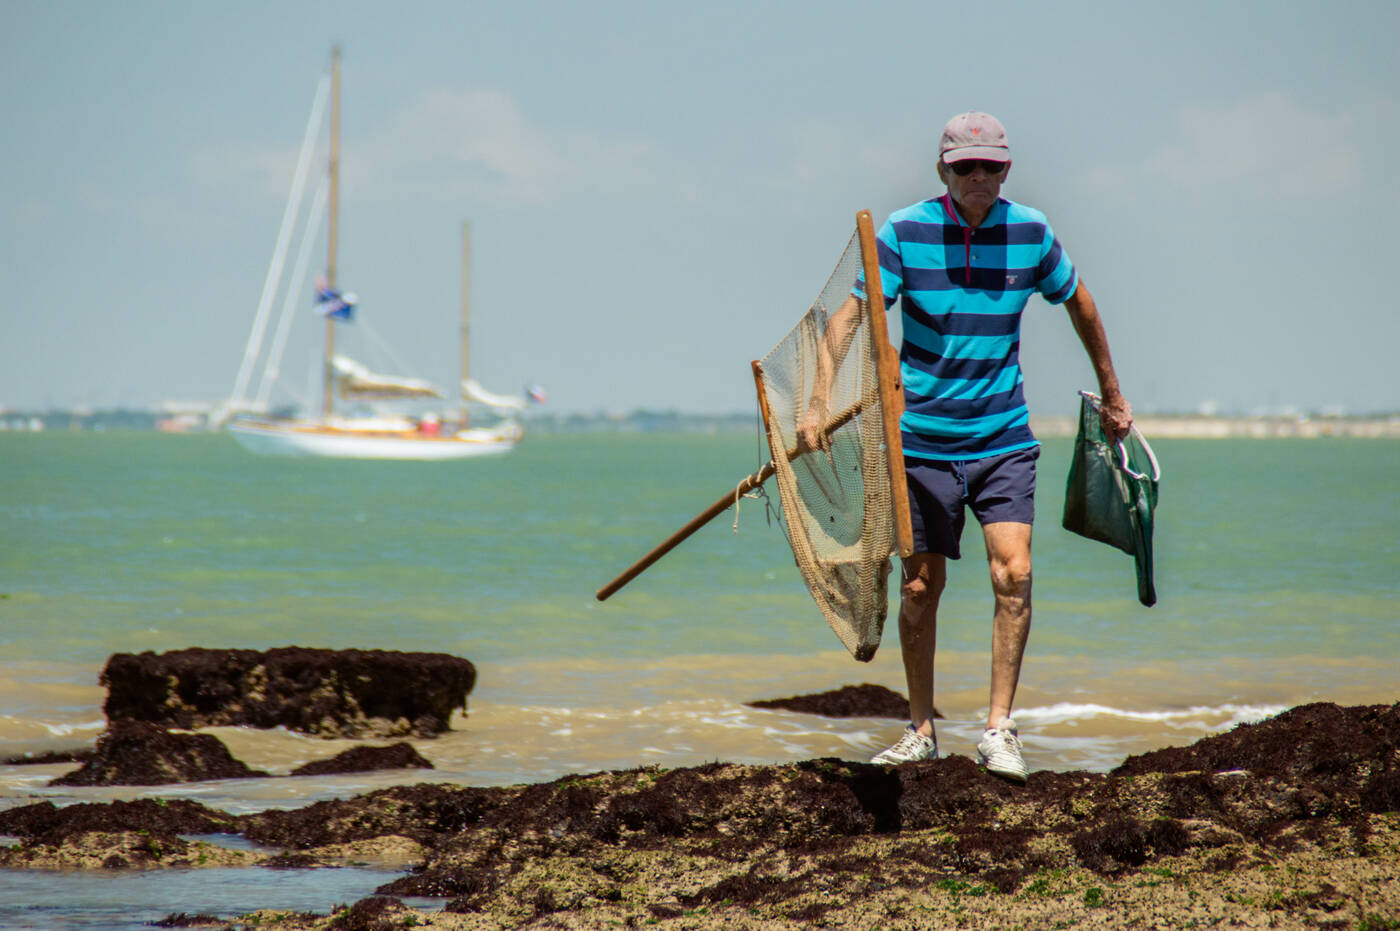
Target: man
(965,264)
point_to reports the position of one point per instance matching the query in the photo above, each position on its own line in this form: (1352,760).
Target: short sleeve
(1055,275)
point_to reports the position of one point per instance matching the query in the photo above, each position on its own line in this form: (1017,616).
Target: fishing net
(838,502)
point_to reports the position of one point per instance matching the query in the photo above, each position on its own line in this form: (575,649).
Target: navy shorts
(997,488)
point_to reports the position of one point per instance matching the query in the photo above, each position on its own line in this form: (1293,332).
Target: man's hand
(831,350)
(1116,415)
(811,432)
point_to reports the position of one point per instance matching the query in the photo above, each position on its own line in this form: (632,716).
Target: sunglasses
(966,166)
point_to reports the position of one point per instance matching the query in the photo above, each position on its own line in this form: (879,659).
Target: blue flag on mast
(334,304)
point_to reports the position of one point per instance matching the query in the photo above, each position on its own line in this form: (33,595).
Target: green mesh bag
(1111,492)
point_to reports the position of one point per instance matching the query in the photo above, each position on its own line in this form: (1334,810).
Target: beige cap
(974,135)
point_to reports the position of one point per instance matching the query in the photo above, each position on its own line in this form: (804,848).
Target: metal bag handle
(1156,475)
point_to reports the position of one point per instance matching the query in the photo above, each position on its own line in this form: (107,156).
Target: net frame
(846,576)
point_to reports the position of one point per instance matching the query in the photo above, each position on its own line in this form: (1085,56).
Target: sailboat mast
(466,355)
(332,238)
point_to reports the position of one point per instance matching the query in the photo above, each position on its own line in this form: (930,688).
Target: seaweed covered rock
(46,823)
(365,759)
(425,813)
(827,841)
(1310,741)
(579,843)
(135,753)
(376,913)
(186,920)
(116,835)
(47,757)
(849,701)
(328,693)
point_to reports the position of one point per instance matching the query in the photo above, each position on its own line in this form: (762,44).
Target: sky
(657,191)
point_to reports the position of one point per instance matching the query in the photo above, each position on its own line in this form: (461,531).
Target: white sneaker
(1000,751)
(910,747)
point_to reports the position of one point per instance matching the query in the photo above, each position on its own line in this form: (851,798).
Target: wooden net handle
(891,391)
(724,503)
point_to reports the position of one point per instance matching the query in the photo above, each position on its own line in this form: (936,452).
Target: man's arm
(836,342)
(1117,413)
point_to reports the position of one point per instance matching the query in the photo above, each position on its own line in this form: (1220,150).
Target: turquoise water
(136,541)
(1276,572)
(155,542)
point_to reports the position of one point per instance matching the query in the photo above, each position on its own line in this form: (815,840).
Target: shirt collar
(994,216)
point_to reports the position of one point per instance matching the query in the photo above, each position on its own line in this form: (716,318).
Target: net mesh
(836,501)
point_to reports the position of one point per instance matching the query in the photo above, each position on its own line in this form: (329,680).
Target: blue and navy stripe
(963,292)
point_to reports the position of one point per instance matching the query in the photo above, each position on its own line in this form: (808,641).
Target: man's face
(977,190)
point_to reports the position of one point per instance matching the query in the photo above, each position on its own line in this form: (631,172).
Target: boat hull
(299,438)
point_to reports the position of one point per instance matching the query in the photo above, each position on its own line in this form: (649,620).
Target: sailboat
(336,433)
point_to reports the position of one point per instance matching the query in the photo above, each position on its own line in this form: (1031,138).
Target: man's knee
(1011,575)
(1009,558)
(921,590)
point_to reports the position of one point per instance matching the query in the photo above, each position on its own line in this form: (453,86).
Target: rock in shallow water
(849,701)
(135,753)
(328,693)
(364,759)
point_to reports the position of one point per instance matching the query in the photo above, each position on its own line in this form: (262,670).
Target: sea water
(1277,561)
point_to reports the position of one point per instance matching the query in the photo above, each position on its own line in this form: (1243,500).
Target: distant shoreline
(1196,427)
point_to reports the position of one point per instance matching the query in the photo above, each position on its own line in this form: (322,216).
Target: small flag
(329,303)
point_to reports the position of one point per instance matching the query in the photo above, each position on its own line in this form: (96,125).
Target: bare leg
(1009,557)
(925,574)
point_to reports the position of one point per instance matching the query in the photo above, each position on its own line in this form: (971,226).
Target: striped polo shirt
(963,291)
